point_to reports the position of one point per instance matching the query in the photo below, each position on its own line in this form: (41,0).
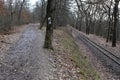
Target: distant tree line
(100,17)
(14,12)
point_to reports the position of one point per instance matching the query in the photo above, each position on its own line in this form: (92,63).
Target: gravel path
(6,41)
(27,60)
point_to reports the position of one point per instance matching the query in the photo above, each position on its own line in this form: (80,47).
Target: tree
(110,20)
(20,11)
(43,13)
(49,28)
(115,23)
(62,13)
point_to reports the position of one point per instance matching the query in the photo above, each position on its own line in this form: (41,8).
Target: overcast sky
(32,2)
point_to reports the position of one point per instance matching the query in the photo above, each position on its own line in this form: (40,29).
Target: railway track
(108,58)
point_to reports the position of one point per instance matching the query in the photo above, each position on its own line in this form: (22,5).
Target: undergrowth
(86,70)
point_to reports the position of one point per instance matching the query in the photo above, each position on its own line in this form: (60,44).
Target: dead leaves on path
(66,69)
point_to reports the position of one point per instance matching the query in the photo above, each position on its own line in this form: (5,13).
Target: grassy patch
(86,71)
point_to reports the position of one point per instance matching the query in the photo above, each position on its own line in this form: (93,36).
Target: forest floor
(70,60)
(6,40)
(23,57)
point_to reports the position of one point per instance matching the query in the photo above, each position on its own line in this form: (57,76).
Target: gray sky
(32,2)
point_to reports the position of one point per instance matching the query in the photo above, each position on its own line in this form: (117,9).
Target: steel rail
(104,51)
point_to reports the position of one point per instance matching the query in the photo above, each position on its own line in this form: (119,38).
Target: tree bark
(43,15)
(20,11)
(115,23)
(49,28)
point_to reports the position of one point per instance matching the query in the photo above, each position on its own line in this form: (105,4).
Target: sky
(32,2)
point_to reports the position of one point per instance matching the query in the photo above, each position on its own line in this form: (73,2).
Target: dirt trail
(27,60)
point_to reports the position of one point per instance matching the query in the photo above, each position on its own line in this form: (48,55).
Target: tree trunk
(49,29)
(115,23)
(108,33)
(43,15)
(20,11)
(87,26)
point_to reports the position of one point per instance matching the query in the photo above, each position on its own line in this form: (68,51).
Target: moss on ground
(72,49)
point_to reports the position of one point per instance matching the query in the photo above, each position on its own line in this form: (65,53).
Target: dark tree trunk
(20,11)
(11,15)
(87,26)
(109,24)
(49,29)
(115,23)
(43,16)
(42,23)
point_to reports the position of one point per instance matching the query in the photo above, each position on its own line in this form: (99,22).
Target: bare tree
(110,21)
(115,23)
(49,29)
(20,11)
(43,13)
